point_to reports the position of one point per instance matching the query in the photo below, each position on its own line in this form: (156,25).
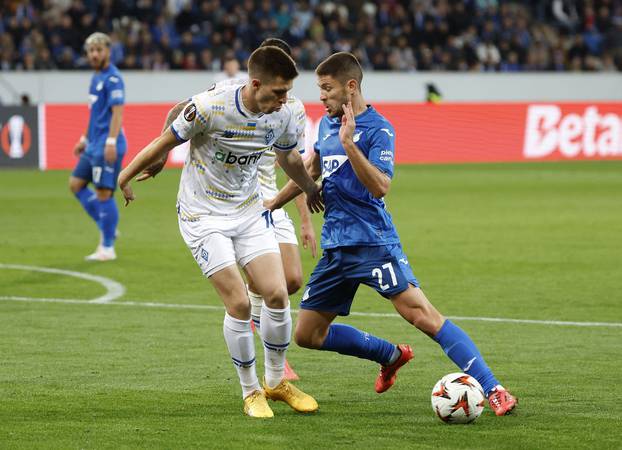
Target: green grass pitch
(539,241)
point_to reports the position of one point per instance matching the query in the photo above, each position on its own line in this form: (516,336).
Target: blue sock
(348,340)
(109,218)
(89,202)
(462,351)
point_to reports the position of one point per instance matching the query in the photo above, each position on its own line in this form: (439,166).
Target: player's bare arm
(156,168)
(110,150)
(307,233)
(153,152)
(376,182)
(312,168)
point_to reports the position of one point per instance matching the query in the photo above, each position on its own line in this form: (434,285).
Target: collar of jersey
(239,104)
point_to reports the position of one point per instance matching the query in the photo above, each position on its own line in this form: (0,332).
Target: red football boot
(501,401)
(388,374)
(290,375)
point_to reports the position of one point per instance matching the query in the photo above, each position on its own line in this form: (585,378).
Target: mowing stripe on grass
(362,314)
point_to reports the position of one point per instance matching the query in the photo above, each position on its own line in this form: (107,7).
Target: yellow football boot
(256,405)
(290,394)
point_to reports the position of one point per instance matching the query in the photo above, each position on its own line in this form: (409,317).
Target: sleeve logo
(190,112)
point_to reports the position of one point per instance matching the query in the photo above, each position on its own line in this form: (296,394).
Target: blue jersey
(353,217)
(106,91)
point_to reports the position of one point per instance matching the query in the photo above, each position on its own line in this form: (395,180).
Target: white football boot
(102,254)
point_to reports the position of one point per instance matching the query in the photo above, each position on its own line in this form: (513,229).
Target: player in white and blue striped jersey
(355,154)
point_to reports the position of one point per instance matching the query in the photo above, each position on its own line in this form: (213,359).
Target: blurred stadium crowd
(401,35)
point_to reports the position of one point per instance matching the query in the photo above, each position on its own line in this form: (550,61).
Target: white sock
(256,302)
(276,332)
(239,339)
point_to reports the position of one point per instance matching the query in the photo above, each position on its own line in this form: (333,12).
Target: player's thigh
(266,271)
(312,327)
(384,268)
(414,306)
(209,242)
(105,174)
(230,287)
(257,252)
(292,266)
(328,289)
(82,174)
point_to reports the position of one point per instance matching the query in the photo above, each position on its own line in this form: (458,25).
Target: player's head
(276,42)
(339,77)
(271,74)
(97,47)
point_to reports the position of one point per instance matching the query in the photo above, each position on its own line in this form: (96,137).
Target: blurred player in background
(221,214)
(102,147)
(354,154)
(284,229)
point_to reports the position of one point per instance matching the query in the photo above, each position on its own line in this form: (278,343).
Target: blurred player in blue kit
(102,148)
(354,154)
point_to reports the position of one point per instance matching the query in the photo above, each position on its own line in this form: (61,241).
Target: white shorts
(284,229)
(218,242)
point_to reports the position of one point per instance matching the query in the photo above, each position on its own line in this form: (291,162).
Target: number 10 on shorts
(268,216)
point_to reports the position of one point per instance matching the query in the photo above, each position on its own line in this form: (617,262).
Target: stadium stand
(417,35)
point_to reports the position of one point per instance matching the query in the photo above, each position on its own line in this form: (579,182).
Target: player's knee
(294,283)
(425,319)
(276,297)
(103,194)
(240,309)
(309,339)
(75,186)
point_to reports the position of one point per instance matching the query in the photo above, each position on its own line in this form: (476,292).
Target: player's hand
(307,235)
(269,204)
(79,148)
(152,170)
(346,132)
(126,188)
(110,153)
(315,202)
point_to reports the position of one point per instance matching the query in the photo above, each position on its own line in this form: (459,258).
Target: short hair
(269,62)
(276,42)
(342,66)
(97,38)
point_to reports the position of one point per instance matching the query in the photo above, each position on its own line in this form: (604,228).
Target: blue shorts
(95,169)
(340,271)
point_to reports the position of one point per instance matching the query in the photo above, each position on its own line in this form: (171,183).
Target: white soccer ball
(458,398)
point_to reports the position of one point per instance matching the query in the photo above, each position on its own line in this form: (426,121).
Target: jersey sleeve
(193,119)
(289,139)
(116,90)
(301,124)
(382,148)
(316,145)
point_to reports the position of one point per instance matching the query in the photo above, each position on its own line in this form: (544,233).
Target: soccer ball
(458,398)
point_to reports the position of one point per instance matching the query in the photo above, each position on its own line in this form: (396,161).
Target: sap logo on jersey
(244,160)
(332,163)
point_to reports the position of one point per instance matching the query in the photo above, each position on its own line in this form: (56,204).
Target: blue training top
(352,215)
(106,90)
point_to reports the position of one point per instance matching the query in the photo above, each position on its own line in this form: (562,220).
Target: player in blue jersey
(354,154)
(102,148)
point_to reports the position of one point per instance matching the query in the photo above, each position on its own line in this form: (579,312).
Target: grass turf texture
(527,241)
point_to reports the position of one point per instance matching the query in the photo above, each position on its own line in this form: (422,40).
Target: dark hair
(276,42)
(269,62)
(342,66)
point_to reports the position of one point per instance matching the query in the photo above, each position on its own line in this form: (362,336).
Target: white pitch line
(114,289)
(354,313)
